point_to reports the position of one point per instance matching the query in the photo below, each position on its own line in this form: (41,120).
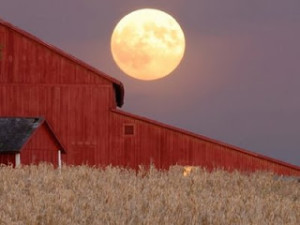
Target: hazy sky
(239,81)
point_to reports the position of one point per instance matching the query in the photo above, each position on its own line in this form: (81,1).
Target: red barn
(81,104)
(28,141)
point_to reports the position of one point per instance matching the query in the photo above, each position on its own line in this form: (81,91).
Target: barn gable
(26,59)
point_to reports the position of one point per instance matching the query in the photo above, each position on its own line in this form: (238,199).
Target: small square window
(129,129)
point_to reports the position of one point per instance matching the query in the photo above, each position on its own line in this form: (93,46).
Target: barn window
(129,129)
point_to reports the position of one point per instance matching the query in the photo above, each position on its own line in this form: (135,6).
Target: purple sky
(239,81)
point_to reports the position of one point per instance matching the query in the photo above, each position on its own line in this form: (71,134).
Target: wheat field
(37,195)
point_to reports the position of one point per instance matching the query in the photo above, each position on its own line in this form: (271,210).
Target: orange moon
(147,44)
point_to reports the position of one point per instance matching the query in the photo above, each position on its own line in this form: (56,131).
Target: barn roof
(117,85)
(15,132)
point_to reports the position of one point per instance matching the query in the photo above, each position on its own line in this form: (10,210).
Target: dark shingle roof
(15,132)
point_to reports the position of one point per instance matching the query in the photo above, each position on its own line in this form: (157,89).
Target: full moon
(147,44)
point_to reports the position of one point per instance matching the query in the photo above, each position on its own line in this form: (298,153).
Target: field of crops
(83,195)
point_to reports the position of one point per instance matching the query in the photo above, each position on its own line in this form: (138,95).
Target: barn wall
(7,158)
(78,115)
(164,146)
(42,147)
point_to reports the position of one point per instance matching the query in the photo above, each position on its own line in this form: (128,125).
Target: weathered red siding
(164,146)
(78,114)
(42,147)
(28,60)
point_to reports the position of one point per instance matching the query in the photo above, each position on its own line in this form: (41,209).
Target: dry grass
(83,195)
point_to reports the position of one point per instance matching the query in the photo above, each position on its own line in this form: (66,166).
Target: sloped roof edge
(117,84)
(204,138)
(62,148)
